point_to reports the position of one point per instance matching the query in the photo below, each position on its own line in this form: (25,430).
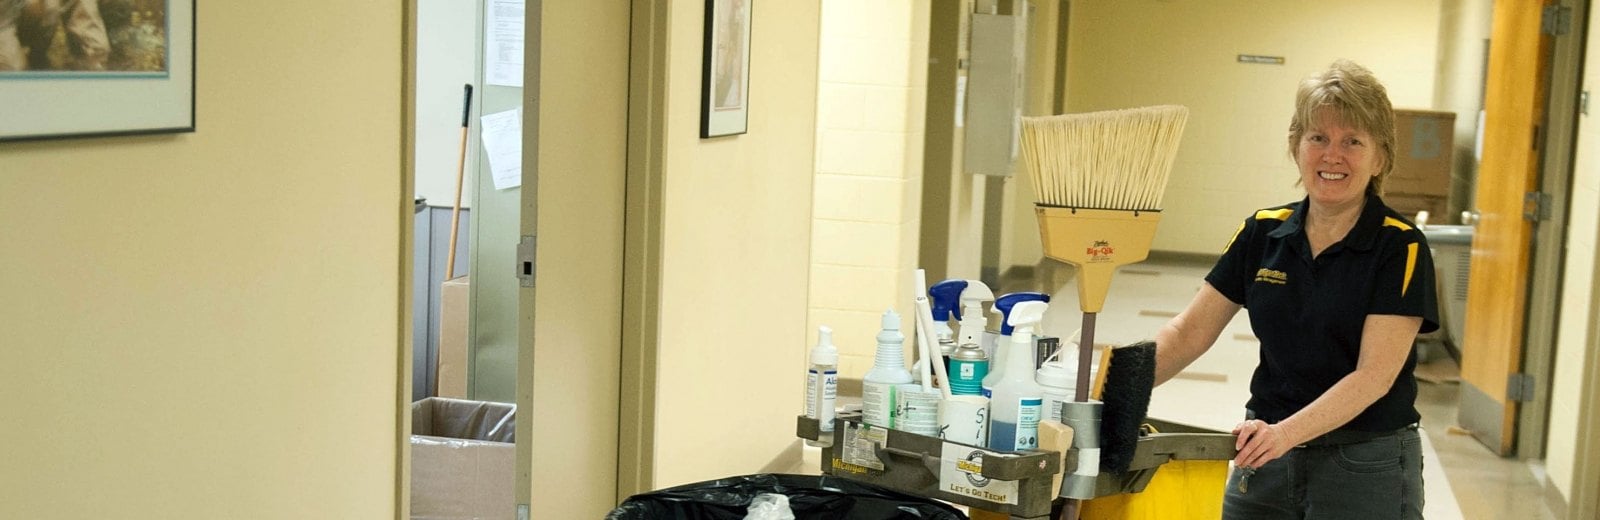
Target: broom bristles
(1117,159)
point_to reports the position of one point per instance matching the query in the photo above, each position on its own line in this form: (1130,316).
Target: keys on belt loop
(1244,478)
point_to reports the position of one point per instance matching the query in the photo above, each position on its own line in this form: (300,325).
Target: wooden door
(1514,110)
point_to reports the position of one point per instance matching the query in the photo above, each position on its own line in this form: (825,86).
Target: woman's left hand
(1259,443)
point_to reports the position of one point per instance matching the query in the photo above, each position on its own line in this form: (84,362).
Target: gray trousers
(1378,479)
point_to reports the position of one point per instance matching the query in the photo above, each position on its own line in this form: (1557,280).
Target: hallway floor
(1464,480)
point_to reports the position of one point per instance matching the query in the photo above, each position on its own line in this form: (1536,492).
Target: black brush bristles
(1129,378)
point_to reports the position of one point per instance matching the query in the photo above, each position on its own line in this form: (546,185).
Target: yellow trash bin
(1180,490)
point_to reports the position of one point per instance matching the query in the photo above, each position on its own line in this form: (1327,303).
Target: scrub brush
(1129,378)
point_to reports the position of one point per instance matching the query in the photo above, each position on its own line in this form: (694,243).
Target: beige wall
(735,254)
(1574,344)
(1463,54)
(1234,158)
(871,95)
(207,325)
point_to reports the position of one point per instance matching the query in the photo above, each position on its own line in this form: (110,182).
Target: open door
(1515,97)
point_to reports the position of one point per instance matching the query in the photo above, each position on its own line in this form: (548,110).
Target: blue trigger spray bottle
(1003,349)
(942,299)
(1017,402)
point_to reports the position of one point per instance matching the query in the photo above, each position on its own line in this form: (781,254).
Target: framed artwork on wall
(93,68)
(725,73)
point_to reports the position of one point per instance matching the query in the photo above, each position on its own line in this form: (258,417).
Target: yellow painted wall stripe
(1275,214)
(1411,265)
(1394,222)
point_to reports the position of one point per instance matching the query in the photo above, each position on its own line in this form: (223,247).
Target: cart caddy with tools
(1099,177)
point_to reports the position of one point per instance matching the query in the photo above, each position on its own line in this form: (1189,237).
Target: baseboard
(1553,499)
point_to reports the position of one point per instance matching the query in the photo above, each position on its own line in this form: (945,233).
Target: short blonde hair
(1358,99)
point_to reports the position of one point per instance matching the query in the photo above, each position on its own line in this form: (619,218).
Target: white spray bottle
(970,364)
(1018,400)
(998,363)
(822,383)
(888,370)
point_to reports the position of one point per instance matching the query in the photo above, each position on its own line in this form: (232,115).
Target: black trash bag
(810,497)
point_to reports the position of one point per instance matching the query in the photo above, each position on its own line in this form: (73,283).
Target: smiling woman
(1337,286)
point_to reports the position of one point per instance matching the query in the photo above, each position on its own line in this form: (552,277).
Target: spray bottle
(969,364)
(888,370)
(998,363)
(943,297)
(1018,401)
(822,383)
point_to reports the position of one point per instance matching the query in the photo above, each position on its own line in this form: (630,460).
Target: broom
(1100,177)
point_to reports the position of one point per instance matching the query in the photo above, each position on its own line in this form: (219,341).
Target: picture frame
(133,75)
(725,70)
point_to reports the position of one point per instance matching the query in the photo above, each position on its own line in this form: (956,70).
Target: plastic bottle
(998,362)
(1017,402)
(822,383)
(888,369)
(1058,381)
(942,299)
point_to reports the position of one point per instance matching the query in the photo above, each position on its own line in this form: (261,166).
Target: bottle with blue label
(1017,401)
(998,362)
(822,384)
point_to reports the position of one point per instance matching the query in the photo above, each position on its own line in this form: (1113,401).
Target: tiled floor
(1464,480)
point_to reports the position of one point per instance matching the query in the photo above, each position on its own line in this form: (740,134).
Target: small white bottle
(1018,400)
(1059,382)
(888,370)
(822,383)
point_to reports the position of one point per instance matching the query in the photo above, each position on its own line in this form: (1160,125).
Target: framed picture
(725,74)
(90,68)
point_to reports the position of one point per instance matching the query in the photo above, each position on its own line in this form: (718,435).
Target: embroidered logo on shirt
(1271,276)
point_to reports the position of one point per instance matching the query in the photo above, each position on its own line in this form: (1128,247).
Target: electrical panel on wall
(993,104)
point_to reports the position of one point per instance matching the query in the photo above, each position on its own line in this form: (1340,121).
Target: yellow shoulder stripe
(1235,237)
(1411,265)
(1274,214)
(1390,221)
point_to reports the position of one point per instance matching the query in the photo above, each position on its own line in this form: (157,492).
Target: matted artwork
(87,68)
(725,75)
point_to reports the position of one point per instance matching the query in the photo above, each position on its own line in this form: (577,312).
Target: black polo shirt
(1309,313)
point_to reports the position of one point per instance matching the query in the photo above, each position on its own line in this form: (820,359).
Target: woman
(1337,286)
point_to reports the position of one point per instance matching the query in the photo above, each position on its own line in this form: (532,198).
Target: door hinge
(1519,388)
(1556,20)
(525,255)
(1536,206)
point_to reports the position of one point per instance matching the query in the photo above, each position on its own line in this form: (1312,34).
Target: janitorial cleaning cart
(1100,178)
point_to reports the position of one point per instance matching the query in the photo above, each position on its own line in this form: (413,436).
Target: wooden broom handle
(461,166)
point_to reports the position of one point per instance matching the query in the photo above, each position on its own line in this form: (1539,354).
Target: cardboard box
(463,460)
(1408,205)
(453,319)
(1424,151)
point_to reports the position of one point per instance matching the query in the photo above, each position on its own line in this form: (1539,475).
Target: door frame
(642,246)
(406,214)
(569,334)
(1549,235)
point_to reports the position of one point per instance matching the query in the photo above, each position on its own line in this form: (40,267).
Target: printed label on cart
(960,472)
(861,444)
